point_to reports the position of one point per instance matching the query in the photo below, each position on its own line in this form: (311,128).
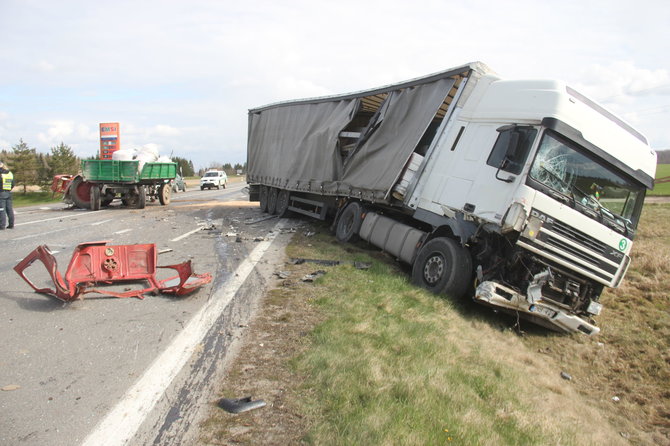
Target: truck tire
(164,193)
(224,184)
(95,198)
(80,193)
(443,266)
(263,198)
(272,200)
(349,223)
(282,202)
(141,197)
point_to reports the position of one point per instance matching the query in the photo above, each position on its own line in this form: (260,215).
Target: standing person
(6,206)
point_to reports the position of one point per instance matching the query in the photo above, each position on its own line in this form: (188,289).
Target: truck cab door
(498,178)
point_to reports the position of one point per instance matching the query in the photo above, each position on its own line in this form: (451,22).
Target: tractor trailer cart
(524,194)
(101,181)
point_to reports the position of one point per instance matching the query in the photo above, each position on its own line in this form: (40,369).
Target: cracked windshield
(588,185)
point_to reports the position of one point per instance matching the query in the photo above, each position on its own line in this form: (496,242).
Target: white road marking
(100,222)
(122,231)
(122,423)
(53,218)
(186,235)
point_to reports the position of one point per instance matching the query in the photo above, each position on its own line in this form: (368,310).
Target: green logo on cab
(622,244)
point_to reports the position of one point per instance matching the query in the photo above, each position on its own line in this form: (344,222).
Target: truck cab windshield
(566,172)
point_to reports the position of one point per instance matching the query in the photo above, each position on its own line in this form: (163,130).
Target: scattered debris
(315,275)
(163,251)
(231,234)
(309,233)
(10,387)
(259,239)
(96,263)
(362,265)
(300,261)
(288,230)
(238,405)
(209,227)
(625,435)
(283,274)
(258,220)
(566,376)
(616,399)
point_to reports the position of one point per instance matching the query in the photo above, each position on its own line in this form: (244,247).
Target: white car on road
(213,178)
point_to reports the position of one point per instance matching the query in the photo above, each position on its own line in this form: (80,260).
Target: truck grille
(574,249)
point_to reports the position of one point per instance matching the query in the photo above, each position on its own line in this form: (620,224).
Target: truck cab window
(511,148)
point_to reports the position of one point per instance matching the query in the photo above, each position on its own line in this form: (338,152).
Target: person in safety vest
(6,207)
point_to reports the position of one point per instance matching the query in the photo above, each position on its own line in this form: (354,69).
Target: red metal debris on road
(96,263)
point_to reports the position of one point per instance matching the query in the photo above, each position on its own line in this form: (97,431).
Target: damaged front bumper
(540,311)
(96,264)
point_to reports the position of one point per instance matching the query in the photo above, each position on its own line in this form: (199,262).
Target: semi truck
(525,194)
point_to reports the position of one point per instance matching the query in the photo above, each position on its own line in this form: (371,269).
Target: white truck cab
(213,178)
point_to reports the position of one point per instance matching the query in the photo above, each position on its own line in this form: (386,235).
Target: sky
(181,76)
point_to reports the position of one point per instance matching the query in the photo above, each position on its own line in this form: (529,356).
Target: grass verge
(662,189)
(363,357)
(20,199)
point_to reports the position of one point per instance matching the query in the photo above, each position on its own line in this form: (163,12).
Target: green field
(663,170)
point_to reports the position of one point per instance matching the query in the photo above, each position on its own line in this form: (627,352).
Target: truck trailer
(525,194)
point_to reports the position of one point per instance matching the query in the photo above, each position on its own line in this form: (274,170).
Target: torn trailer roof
(353,144)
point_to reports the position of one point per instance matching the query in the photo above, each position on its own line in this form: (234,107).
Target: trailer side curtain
(374,168)
(298,144)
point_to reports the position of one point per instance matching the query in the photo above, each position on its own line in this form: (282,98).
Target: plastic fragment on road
(238,405)
(95,264)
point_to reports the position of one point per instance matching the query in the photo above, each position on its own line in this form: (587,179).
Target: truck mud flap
(96,263)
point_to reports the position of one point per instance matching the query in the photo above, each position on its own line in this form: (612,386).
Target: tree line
(230,169)
(31,167)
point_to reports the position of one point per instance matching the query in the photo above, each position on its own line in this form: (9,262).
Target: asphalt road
(127,371)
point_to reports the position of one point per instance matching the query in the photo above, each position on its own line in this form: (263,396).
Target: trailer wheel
(272,200)
(164,193)
(141,197)
(349,223)
(443,266)
(283,202)
(263,198)
(107,199)
(95,198)
(80,192)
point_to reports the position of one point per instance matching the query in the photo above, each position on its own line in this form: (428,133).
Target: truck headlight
(532,228)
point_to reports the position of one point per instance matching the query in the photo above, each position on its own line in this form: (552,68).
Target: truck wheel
(349,223)
(224,185)
(141,197)
(282,202)
(164,193)
(272,200)
(263,198)
(443,266)
(80,192)
(95,198)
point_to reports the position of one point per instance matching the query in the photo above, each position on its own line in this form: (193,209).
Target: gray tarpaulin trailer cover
(349,145)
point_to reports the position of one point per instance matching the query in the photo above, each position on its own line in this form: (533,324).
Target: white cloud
(58,131)
(162,130)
